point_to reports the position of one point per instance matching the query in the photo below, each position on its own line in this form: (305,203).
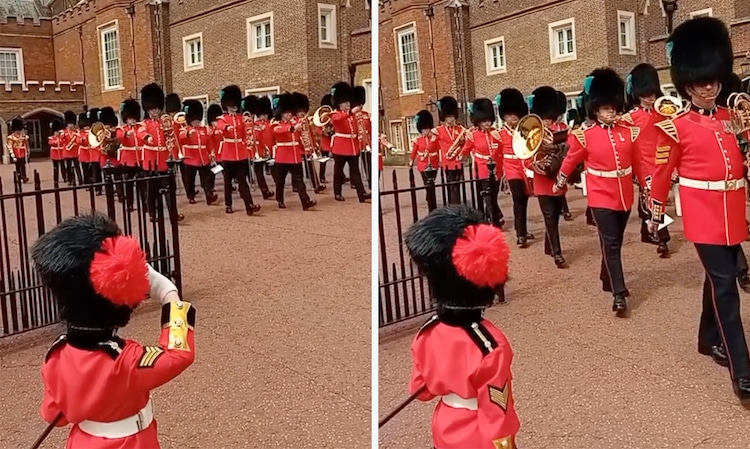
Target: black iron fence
(25,215)
(403,292)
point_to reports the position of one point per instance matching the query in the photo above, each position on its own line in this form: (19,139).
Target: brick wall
(35,42)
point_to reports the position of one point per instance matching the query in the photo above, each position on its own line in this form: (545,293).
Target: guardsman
(700,142)
(260,129)
(561,124)
(307,134)
(18,146)
(95,381)
(212,116)
(234,154)
(612,161)
(289,151)
(156,151)
(129,154)
(345,144)
(466,262)
(364,125)
(264,114)
(425,149)
(545,103)
(108,160)
(325,133)
(447,134)
(643,90)
(69,142)
(173,105)
(56,143)
(91,157)
(195,141)
(512,107)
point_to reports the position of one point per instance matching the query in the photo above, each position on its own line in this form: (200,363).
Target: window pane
(409,61)
(9,67)
(111,46)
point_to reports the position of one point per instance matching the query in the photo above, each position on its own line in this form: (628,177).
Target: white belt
(194,147)
(287,144)
(721,186)
(455,401)
(150,148)
(234,140)
(346,136)
(481,156)
(510,156)
(611,173)
(425,154)
(122,428)
(128,148)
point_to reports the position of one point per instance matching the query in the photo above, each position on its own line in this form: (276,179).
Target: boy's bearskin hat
(16,124)
(482,111)
(213,113)
(359,96)
(545,103)
(108,117)
(283,103)
(230,96)
(264,106)
(642,81)
(173,104)
(699,51)
(152,97)
(511,101)
(341,93)
(97,275)
(604,87)
(464,258)
(56,125)
(130,109)
(447,107)
(193,110)
(83,120)
(301,102)
(327,100)
(728,87)
(424,120)
(70,118)
(249,104)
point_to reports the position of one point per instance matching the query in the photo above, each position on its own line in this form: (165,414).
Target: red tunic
(446,135)
(176,150)
(85,152)
(54,143)
(367,124)
(702,151)
(644,120)
(67,136)
(426,150)
(544,185)
(345,141)
(234,142)
(514,167)
(216,142)
(288,146)
(325,141)
(264,136)
(155,153)
(449,362)
(111,384)
(103,159)
(196,147)
(484,145)
(129,154)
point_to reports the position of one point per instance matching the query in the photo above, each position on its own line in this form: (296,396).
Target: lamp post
(670,6)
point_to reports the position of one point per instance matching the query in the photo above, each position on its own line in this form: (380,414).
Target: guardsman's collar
(701,111)
(89,338)
(605,125)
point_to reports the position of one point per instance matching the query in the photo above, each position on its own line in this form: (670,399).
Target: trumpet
(322,116)
(669,106)
(739,112)
(457,144)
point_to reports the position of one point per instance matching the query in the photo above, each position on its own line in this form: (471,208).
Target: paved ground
(283,334)
(583,378)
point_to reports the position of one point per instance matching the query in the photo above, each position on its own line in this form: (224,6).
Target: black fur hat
(729,86)
(642,81)
(249,104)
(130,109)
(56,125)
(581,105)
(447,107)
(699,50)
(214,112)
(604,87)
(83,120)
(327,100)
(264,106)
(173,104)
(73,260)
(573,116)
(93,116)
(193,110)
(545,103)
(230,96)
(301,102)
(424,120)
(512,102)
(562,103)
(359,96)
(341,93)
(16,124)
(108,117)
(482,111)
(464,258)
(283,103)
(70,118)
(152,97)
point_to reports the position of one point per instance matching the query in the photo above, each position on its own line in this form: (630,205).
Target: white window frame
(264,91)
(553,27)
(489,59)
(669,89)
(411,122)
(101,30)
(397,137)
(252,50)
(629,19)
(398,32)
(19,63)
(330,11)
(34,130)
(367,84)
(186,41)
(702,12)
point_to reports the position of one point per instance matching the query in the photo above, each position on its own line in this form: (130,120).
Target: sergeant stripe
(150,355)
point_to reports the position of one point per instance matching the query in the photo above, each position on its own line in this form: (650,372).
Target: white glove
(161,286)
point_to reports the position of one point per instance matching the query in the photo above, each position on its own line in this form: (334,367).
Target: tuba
(535,142)
(322,116)
(668,106)
(102,138)
(738,104)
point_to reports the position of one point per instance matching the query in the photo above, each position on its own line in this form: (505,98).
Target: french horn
(322,116)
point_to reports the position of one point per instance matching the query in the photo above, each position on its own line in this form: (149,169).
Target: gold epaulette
(578,133)
(669,129)
(434,131)
(627,118)
(504,443)
(634,133)
(469,134)
(496,134)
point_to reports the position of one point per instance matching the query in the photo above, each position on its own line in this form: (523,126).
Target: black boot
(309,204)
(744,281)
(718,353)
(741,388)
(619,305)
(663,250)
(560,262)
(522,242)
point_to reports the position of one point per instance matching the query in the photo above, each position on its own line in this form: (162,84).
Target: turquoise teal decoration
(440,108)
(122,106)
(587,84)
(221,94)
(497,100)
(530,101)
(242,105)
(579,101)
(670,46)
(98,115)
(416,121)
(333,92)
(629,84)
(471,108)
(276,102)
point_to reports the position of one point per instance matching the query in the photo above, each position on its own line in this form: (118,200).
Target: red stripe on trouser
(718,321)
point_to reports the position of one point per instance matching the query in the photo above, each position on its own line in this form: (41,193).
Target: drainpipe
(131,12)
(83,66)
(429,12)
(160,44)
(462,61)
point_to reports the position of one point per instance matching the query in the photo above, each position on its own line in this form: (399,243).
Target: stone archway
(38,127)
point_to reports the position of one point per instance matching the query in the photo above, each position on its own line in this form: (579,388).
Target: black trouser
(367,164)
(611,227)
(20,164)
(323,165)
(338,175)
(73,171)
(484,184)
(720,320)
(423,174)
(454,190)
(188,178)
(155,184)
(239,171)
(96,175)
(590,217)
(565,208)
(260,176)
(520,206)
(312,174)
(298,181)
(551,207)
(116,173)
(129,174)
(741,263)
(662,235)
(57,171)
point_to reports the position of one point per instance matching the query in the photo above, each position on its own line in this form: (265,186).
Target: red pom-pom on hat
(481,255)
(119,272)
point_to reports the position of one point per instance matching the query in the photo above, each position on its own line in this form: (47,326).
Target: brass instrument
(322,116)
(669,106)
(457,144)
(738,104)
(167,124)
(532,140)
(305,136)
(15,143)
(362,134)
(101,137)
(249,121)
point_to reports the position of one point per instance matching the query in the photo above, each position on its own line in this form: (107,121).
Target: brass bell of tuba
(322,116)
(738,104)
(102,138)
(532,140)
(669,106)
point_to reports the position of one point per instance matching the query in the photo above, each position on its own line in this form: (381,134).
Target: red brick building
(487,45)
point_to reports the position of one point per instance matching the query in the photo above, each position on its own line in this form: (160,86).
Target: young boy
(458,355)
(93,379)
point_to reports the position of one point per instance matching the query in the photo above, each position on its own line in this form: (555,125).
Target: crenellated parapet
(41,91)
(41,86)
(80,12)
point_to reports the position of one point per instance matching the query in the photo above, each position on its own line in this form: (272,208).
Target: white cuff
(160,285)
